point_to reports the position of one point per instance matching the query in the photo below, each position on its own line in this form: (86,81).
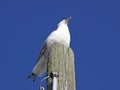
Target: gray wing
(42,51)
(41,64)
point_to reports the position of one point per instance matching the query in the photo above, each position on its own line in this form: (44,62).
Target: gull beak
(67,19)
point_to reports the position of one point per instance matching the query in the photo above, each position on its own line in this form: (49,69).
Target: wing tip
(32,76)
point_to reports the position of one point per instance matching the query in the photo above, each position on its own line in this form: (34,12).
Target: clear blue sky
(95,39)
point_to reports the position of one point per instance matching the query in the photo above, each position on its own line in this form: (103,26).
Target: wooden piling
(61,60)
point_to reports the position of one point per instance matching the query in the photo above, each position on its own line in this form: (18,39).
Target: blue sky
(95,40)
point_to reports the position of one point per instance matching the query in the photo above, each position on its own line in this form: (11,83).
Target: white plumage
(60,35)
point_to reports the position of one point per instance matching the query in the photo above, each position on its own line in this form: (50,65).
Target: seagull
(60,35)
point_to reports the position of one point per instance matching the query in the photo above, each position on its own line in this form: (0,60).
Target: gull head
(65,21)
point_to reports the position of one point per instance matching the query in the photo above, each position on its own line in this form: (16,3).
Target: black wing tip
(32,76)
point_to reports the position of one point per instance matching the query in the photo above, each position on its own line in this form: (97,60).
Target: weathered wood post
(61,60)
